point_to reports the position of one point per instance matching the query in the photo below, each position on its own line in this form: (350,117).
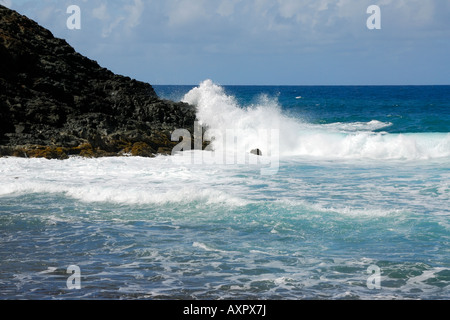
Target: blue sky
(257,42)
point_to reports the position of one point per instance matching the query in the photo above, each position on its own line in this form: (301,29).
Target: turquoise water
(362,179)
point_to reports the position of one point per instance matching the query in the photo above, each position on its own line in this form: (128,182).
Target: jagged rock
(52,97)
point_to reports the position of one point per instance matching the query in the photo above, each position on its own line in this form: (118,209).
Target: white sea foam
(356,126)
(205,247)
(347,211)
(222,114)
(114,180)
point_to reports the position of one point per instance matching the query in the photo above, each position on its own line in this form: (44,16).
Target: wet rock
(257,152)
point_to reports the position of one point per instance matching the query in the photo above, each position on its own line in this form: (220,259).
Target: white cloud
(109,23)
(101,13)
(291,8)
(182,12)
(415,12)
(226,7)
(127,16)
(134,13)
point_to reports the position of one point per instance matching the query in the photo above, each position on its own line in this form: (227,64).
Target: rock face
(55,102)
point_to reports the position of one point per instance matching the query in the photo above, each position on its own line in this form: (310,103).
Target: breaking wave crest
(221,113)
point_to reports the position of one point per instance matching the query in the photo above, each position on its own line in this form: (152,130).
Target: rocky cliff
(55,102)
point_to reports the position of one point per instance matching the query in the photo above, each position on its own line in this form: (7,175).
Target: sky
(257,42)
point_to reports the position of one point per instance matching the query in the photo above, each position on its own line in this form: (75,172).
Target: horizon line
(313,85)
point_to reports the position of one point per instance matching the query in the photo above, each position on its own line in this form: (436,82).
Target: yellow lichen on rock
(42,152)
(142,149)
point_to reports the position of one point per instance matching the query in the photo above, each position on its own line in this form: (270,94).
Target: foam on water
(222,113)
(356,126)
(125,181)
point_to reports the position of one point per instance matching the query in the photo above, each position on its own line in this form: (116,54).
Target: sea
(349,198)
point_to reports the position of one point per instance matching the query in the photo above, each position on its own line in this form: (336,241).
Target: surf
(221,113)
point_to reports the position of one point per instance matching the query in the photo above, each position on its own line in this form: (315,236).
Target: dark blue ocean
(349,200)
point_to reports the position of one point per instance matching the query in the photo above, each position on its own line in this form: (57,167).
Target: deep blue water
(362,180)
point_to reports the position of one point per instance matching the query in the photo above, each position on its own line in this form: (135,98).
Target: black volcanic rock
(55,102)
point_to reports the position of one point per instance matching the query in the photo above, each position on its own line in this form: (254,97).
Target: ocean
(350,199)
